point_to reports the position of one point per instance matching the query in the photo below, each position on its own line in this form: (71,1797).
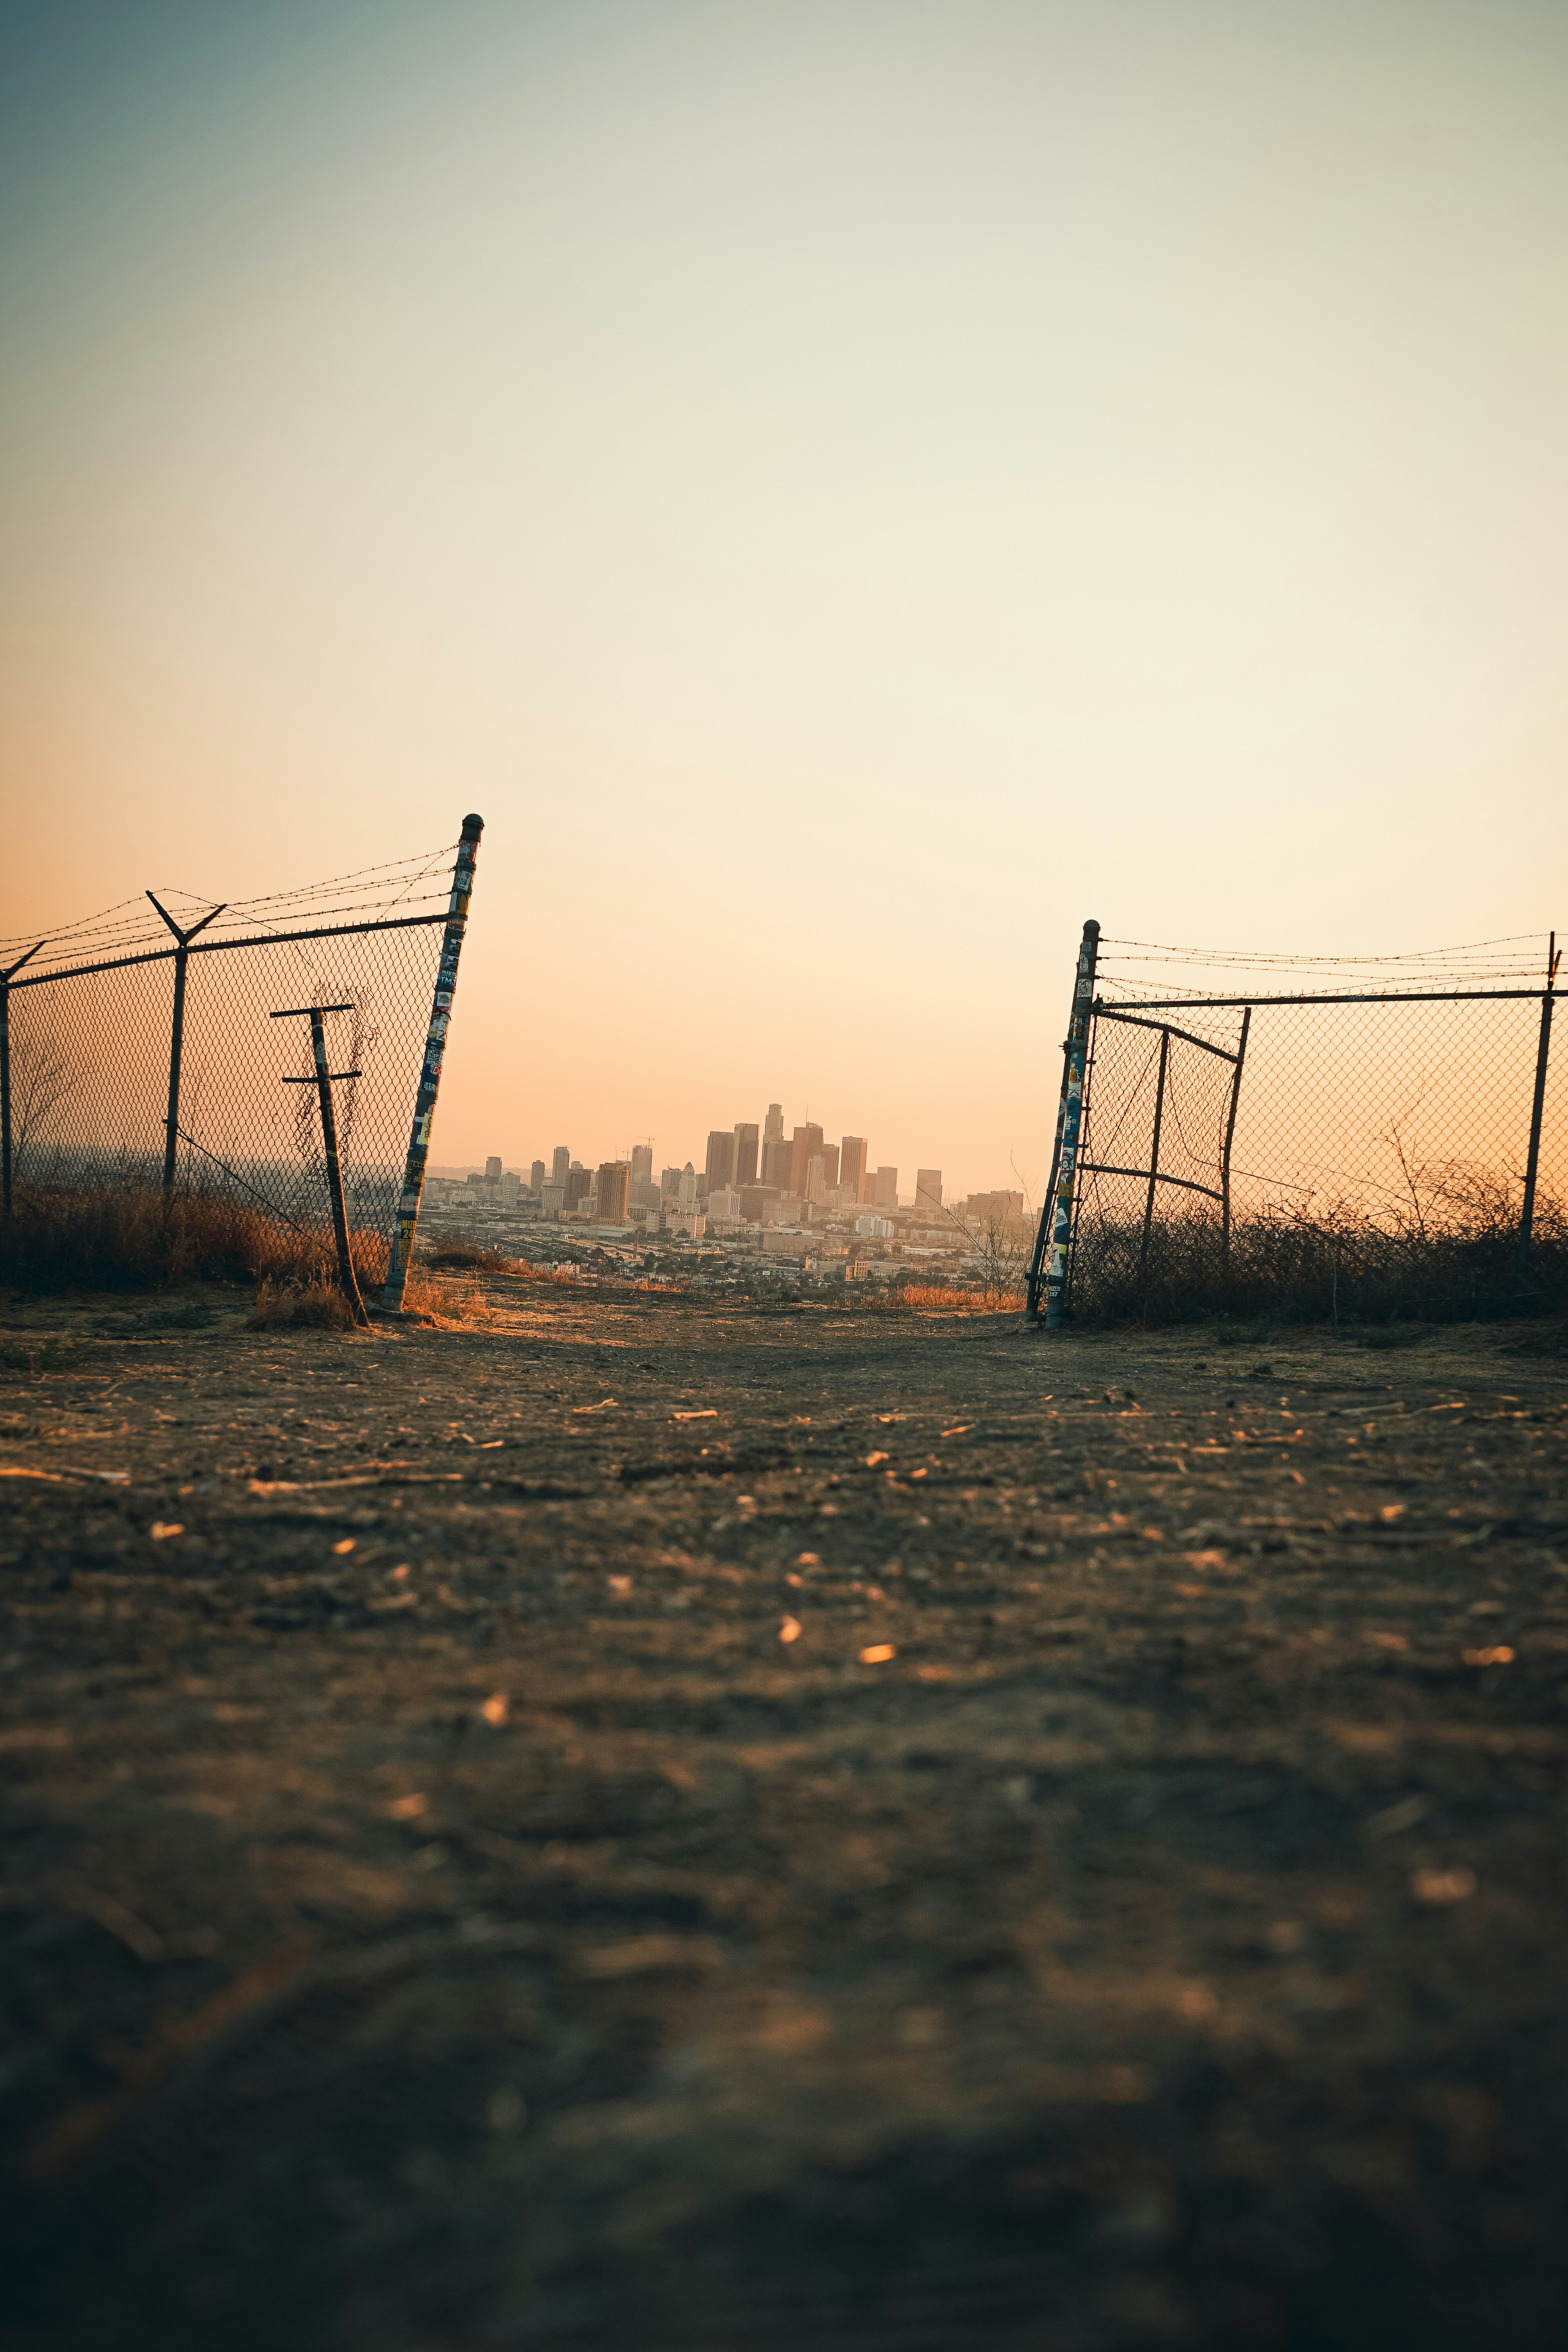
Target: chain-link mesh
(91,1020)
(1363,1156)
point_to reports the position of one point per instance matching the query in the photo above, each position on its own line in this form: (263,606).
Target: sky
(846,491)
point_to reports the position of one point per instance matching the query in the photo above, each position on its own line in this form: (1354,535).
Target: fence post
(1543,1053)
(177,1038)
(406,1223)
(1056,1211)
(1230,1134)
(1034,1280)
(1154,1157)
(6,978)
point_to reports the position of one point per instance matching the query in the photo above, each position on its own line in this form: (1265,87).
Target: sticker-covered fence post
(1049,1267)
(6,979)
(406,1220)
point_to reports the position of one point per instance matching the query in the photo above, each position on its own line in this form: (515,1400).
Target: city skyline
(1000,522)
(725,1164)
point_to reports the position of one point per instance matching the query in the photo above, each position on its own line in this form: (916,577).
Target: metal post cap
(472,827)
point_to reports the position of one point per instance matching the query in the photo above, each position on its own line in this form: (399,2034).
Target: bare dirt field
(632,1823)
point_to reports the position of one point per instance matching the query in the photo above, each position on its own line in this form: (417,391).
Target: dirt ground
(640,1823)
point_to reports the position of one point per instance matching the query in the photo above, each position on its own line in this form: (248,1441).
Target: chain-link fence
(1379,1139)
(141,1050)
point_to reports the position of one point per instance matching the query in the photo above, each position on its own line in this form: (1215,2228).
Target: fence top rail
(1117,1005)
(1107,1011)
(221,947)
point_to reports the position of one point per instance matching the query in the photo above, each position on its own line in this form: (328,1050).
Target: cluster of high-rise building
(763,1178)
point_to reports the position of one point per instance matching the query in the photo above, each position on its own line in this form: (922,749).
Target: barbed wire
(131,926)
(1135,969)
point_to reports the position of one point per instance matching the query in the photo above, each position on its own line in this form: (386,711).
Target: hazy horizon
(846,493)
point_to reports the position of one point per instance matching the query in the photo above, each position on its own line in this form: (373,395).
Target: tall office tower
(745,1168)
(641,1163)
(817,1178)
(885,1193)
(578,1184)
(928,1188)
(772,1126)
(852,1163)
(686,1186)
(721,1158)
(669,1181)
(805,1145)
(536,1177)
(493,1170)
(830,1165)
(615,1186)
(778,1155)
(561,1163)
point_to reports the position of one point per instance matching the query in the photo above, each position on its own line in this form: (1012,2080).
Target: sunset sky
(845,490)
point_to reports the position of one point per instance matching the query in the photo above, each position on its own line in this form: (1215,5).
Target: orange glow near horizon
(846,494)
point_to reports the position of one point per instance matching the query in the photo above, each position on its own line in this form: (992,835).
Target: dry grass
(936,1297)
(137,1240)
(468,1258)
(1337,1266)
(300,1305)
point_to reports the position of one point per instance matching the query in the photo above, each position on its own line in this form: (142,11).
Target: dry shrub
(292,1307)
(138,1240)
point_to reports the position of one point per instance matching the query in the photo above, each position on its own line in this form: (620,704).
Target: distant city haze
(845,492)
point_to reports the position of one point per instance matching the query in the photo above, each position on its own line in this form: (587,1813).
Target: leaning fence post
(178,1035)
(406,1223)
(1543,1053)
(1056,1211)
(6,978)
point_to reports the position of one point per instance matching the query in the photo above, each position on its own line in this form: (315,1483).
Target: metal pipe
(1343,996)
(1105,1168)
(1542,1054)
(221,947)
(1154,1157)
(1060,1208)
(406,1223)
(6,979)
(334,1168)
(176,1045)
(1230,1131)
(177,1036)
(1103,1012)
(5,1082)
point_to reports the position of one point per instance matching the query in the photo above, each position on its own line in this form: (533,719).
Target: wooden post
(1542,1054)
(406,1224)
(322,1082)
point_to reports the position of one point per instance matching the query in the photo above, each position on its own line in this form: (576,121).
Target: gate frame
(1050,1268)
